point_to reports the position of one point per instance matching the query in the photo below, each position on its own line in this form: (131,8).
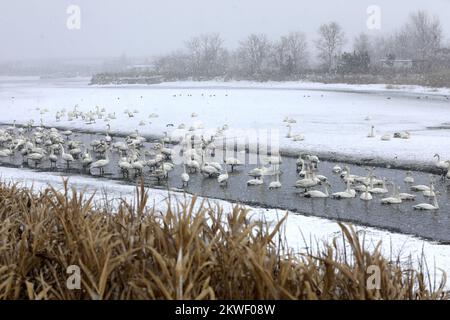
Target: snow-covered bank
(298,228)
(305,85)
(333,123)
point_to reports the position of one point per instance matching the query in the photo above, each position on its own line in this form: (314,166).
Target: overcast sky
(37,28)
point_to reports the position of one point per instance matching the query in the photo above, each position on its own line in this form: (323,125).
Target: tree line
(257,57)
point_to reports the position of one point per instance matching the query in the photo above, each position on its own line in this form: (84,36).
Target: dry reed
(189,251)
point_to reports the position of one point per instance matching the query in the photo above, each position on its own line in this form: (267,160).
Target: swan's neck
(435,203)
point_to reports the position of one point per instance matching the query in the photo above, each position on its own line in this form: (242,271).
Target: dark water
(400,218)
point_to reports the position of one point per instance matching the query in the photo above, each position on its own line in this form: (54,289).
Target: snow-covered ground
(331,121)
(300,231)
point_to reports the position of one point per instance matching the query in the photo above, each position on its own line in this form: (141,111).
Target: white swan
(36,157)
(366,195)
(420,187)
(381,190)
(185,176)
(100,164)
(275,184)
(209,171)
(193,165)
(233,162)
(347,194)
(394,199)
(223,178)
(406,196)
(337,169)
(125,166)
(53,158)
(67,157)
(371,133)
(430,193)
(441,164)
(87,159)
(317,193)
(307,182)
(255,182)
(409,178)
(427,206)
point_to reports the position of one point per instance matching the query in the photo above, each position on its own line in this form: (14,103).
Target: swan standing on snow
(441,164)
(371,133)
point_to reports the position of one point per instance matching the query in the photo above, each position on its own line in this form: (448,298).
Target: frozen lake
(334,121)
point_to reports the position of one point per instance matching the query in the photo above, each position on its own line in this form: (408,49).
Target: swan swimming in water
(223,178)
(275,184)
(184,176)
(255,182)
(428,206)
(394,199)
(317,193)
(366,195)
(409,178)
(347,194)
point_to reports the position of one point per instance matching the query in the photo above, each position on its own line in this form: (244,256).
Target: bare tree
(207,55)
(175,65)
(330,42)
(291,54)
(253,54)
(362,43)
(425,33)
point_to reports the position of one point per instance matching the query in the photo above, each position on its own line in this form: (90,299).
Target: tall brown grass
(189,251)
